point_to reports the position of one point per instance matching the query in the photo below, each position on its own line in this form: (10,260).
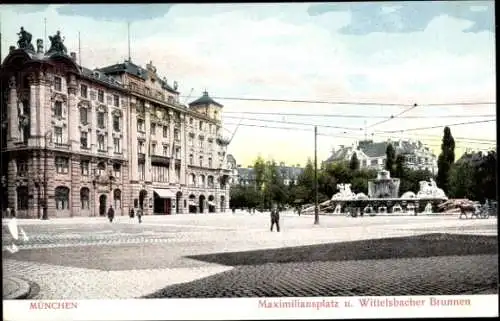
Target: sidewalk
(15,288)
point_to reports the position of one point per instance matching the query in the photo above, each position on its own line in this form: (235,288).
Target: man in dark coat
(111,213)
(275,218)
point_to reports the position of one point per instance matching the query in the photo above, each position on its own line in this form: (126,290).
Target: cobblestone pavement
(92,258)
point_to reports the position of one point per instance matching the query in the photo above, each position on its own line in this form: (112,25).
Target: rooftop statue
(24,41)
(56,44)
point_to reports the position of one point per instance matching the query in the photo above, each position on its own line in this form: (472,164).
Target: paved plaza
(236,255)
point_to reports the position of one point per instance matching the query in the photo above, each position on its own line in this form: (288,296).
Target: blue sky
(385,52)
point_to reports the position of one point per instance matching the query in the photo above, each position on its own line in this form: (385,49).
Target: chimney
(73,56)
(12,48)
(39,46)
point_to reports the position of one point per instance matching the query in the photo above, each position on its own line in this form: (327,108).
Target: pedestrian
(111,213)
(275,217)
(15,230)
(139,214)
(131,214)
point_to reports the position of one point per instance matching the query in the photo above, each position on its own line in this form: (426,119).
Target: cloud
(130,12)
(28,8)
(409,17)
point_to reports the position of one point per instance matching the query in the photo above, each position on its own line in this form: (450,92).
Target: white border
(246,308)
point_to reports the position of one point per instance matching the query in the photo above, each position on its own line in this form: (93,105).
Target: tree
(259,167)
(354,163)
(445,160)
(399,171)
(390,154)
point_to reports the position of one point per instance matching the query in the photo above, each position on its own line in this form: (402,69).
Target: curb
(15,288)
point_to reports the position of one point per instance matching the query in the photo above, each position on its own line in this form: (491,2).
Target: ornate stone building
(75,140)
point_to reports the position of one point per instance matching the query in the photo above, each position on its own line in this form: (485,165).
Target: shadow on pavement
(428,245)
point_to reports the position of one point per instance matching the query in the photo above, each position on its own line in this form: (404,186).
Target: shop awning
(164,193)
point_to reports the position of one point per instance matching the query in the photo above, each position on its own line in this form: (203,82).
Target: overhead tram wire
(438,126)
(359,103)
(349,115)
(459,143)
(392,116)
(294,123)
(378,134)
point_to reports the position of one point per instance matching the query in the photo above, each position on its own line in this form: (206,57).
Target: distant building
(246,176)
(372,154)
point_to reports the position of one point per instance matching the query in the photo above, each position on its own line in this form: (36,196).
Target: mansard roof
(204,100)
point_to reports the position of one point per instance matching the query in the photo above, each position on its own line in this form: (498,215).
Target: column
(34,106)
(147,126)
(184,150)
(132,146)
(13,111)
(73,115)
(172,178)
(44,107)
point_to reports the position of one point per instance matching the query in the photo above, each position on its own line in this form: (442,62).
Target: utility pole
(316,209)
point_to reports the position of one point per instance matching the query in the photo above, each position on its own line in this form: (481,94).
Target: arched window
(202,180)
(62,198)
(210,181)
(192,179)
(117,198)
(85,198)
(22,197)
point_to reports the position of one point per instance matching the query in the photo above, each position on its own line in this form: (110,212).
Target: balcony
(157,159)
(61,146)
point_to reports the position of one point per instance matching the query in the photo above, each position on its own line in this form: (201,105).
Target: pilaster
(34,105)
(14,134)
(132,139)
(172,178)
(73,115)
(183,149)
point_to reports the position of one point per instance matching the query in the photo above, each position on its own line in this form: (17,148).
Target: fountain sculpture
(383,197)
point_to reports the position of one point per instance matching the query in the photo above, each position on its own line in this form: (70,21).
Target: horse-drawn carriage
(476,210)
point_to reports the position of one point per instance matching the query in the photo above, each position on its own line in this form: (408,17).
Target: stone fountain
(383,197)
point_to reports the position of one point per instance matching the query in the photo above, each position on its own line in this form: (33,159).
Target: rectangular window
(165,150)
(84,166)
(142,171)
(116,123)
(22,168)
(58,135)
(153,149)
(177,134)
(100,120)
(201,125)
(116,170)
(210,162)
(201,161)
(83,91)
(201,142)
(153,129)
(116,145)
(58,110)
(140,147)
(100,143)
(62,165)
(84,140)
(191,159)
(100,96)
(374,162)
(140,125)
(58,83)
(178,153)
(116,100)
(83,116)
(165,131)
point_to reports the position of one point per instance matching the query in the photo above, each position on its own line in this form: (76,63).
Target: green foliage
(354,163)
(445,160)
(390,154)
(474,179)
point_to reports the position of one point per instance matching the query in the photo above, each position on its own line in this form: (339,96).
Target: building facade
(246,176)
(372,154)
(75,140)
